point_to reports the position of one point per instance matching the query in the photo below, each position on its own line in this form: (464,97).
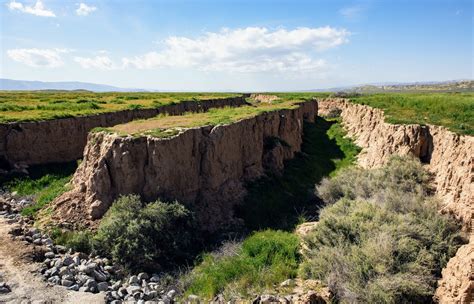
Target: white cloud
(251,49)
(352,12)
(84,9)
(97,62)
(50,58)
(38,9)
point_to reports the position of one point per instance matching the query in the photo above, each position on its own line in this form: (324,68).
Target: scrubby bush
(334,113)
(382,239)
(237,269)
(145,235)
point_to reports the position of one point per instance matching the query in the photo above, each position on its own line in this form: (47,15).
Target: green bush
(382,240)
(145,236)
(76,240)
(262,260)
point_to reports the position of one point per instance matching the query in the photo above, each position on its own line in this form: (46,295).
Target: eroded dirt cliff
(205,168)
(448,156)
(64,139)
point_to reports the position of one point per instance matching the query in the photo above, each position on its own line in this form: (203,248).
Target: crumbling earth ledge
(448,156)
(204,168)
(63,139)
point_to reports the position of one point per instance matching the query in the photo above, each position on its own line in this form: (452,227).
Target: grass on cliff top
(168,125)
(44,184)
(452,110)
(44,105)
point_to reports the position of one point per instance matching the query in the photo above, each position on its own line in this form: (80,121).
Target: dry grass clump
(382,239)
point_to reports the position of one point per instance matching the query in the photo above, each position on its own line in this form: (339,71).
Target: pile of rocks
(11,204)
(78,271)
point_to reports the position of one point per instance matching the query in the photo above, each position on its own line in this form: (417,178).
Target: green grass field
(452,110)
(44,105)
(167,125)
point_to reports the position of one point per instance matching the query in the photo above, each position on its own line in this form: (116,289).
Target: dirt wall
(205,168)
(448,156)
(64,139)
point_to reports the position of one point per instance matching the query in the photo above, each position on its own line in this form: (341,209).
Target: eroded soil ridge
(205,168)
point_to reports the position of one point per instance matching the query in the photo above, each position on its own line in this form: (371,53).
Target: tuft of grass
(452,110)
(44,183)
(262,260)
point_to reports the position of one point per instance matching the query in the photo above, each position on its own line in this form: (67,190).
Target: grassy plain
(163,125)
(44,105)
(452,110)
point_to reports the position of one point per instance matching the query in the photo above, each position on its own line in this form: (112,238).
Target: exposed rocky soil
(64,139)
(19,272)
(448,156)
(204,168)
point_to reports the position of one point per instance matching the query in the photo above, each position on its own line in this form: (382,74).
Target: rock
(287,283)
(74,287)
(84,289)
(193,298)
(122,292)
(97,209)
(54,279)
(116,285)
(133,289)
(67,283)
(152,294)
(47,241)
(133,280)
(68,261)
(103,286)
(4,288)
(91,284)
(268,299)
(77,260)
(49,255)
(99,276)
(90,268)
(155,279)
(171,294)
(143,276)
(116,302)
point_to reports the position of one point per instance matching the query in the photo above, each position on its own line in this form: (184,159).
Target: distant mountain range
(26,85)
(432,86)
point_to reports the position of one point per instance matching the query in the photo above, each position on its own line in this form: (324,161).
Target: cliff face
(205,168)
(64,139)
(448,156)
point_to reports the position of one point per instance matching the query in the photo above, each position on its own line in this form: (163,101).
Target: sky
(225,45)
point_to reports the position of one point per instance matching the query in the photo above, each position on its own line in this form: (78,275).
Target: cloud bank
(38,9)
(84,9)
(50,58)
(251,49)
(245,50)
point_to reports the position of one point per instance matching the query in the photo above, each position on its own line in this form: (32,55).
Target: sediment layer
(448,156)
(205,168)
(63,140)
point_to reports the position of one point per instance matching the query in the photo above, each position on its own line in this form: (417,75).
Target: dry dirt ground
(19,271)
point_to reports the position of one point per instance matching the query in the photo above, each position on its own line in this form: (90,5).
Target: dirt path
(27,286)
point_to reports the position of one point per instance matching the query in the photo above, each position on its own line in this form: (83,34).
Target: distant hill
(26,85)
(442,86)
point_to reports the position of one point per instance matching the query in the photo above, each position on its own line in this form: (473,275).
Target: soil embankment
(447,155)
(63,140)
(205,168)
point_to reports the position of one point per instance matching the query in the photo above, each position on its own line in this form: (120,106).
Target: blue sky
(236,45)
